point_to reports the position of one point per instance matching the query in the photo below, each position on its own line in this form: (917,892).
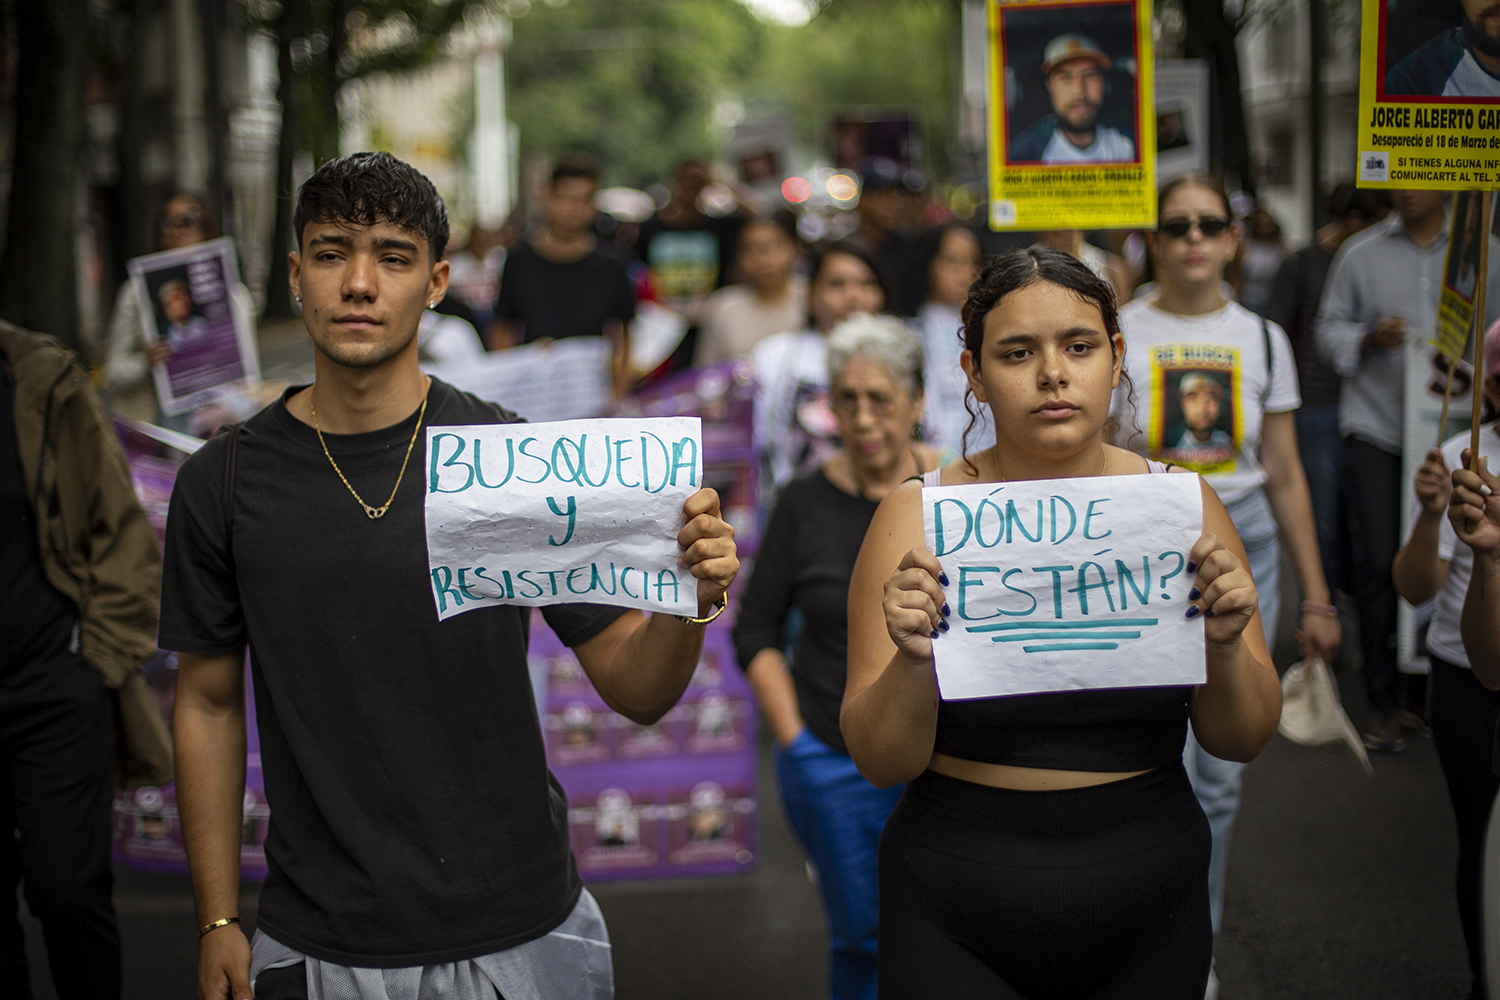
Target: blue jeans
(1323,460)
(1217,782)
(838,817)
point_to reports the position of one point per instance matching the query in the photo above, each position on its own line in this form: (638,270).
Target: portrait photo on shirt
(1447,49)
(1071,86)
(1196,410)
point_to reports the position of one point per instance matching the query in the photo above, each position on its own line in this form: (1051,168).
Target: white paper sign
(574,511)
(1063,584)
(566,379)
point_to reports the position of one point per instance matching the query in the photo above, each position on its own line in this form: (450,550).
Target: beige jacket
(96,545)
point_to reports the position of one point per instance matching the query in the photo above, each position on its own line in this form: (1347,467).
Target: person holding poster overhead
(1220,398)
(418,844)
(1383,290)
(1047,844)
(804,561)
(1461,711)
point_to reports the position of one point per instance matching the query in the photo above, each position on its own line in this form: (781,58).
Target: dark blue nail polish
(1192,612)
(1192,567)
(1194,594)
(946,612)
(1208,614)
(935,634)
(943,625)
(943,579)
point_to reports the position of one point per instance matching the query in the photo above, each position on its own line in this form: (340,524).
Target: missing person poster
(1460,276)
(1429,95)
(190,301)
(1072,115)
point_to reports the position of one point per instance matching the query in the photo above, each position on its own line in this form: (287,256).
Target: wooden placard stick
(1481,286)
(1447,398)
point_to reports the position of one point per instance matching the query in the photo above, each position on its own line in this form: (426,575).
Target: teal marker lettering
(583,449)
(510,468)
(1089,515)
(546,469)
(571,514)
(1084,586)
(442,579)
(937,520)
(1057,572)
(1143,595)
(620,459)
(1072,520)
(682,460)
(437,448)
(1013,518)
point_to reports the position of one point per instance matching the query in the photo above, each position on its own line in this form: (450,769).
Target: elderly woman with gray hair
(805,561)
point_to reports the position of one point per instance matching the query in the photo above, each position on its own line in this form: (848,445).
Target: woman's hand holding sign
(1474,510)
(915,611)
(708,550)
(1223,593)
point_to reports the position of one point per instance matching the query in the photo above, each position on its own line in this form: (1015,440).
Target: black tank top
(1118,729)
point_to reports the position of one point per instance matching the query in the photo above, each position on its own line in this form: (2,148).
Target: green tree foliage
(630,82)
(892,53)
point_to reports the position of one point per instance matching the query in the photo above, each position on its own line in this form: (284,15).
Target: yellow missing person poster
(1460,276)
(1429,95)
(1072,118)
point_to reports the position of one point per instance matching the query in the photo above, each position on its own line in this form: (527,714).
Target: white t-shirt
(792,424)
(734,321)
(1109,144)
(1202,386)
(944,416)
(1443,637)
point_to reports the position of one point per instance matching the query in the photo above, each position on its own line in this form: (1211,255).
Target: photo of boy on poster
(1198,419)
(1447,50)
(1072,94)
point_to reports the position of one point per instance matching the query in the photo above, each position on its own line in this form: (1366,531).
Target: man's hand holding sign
(606,511)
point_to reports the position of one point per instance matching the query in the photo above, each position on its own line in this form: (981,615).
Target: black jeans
(1372,502)
(56,790)
(1463,716)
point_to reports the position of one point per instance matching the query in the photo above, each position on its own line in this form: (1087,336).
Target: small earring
(298,298)
(432,304)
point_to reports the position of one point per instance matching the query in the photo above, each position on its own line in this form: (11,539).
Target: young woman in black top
(1047,845)
(875,371)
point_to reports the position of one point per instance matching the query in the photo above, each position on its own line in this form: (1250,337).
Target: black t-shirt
(1294,305)
(805,561)
(36,619)
(563,300)
(413,818)
(687,262)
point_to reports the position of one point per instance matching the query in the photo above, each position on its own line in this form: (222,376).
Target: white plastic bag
(1311,713)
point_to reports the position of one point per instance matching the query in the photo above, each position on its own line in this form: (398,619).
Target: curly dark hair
(366,188)
(1011,272)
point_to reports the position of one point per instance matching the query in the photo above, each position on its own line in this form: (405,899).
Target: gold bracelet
(221,922)
(718,607)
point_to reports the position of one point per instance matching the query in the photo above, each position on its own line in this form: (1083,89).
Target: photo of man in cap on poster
(1074,68)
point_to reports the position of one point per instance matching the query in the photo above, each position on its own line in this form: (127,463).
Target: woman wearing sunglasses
(1217,393)
(804,562)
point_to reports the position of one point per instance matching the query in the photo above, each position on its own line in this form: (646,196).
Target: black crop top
(1115,729)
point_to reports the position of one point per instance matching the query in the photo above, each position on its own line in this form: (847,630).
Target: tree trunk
(1210,35)
(290,26)
(213,23)
(323,122)
(38,275)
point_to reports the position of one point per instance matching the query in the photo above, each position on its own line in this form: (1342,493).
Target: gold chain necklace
(374,513)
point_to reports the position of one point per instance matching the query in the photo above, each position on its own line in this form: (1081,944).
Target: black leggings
(1462,714)
(1095,892)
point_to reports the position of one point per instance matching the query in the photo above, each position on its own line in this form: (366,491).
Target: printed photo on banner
(1064,584)
(1460,275)
(1072,119)
(1195,406)
(189,303)
(1429,95)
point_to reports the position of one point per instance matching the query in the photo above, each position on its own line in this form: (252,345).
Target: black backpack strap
(1265,332)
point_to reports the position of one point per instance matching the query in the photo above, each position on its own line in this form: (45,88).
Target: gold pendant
(376,513)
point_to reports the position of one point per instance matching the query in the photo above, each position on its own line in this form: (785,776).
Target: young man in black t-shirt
(557,284)
(414,823)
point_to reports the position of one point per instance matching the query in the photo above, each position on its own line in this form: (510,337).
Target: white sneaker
(1212,991)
